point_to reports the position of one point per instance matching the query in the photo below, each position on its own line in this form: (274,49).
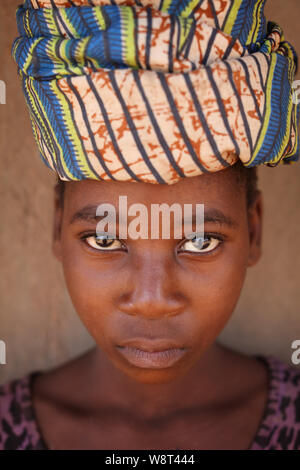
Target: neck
(200,386)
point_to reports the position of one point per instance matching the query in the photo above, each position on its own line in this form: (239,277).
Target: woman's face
(157,294)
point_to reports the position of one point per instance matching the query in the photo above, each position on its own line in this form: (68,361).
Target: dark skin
(213,397)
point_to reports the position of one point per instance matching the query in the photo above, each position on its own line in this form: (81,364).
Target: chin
(152,376)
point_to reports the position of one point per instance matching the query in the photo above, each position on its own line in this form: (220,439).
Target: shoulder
(280,427)
(17,422)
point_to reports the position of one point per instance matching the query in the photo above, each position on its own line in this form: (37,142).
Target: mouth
(151,354)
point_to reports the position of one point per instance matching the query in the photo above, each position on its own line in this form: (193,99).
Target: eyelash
(208,235)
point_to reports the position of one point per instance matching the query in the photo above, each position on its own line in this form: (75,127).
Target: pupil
(103,240)
(200,242)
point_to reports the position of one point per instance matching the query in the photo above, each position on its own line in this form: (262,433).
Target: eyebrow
(216,216)
(211,215)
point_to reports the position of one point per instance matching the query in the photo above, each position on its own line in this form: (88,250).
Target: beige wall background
(37,320)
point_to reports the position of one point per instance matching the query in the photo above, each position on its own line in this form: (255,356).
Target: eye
(198,244)
(103,242)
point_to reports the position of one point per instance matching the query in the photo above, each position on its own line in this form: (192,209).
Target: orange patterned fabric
(156,91)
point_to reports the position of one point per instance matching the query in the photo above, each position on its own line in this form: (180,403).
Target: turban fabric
(156,90)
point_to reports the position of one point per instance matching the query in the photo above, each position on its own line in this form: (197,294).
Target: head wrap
(156,90)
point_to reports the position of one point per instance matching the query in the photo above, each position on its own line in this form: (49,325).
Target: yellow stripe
(27,28)
(189,8)
(128,30)
(290,55)
(97,12)
(255,27)
(268,110)
(292,106)
(166,4)
(185,28)
(32,104)
(74,68)
(80,51)
(232,16)
(287,134)
(45,118)
(68,121)
(29,54)
(70,26)
(41,119)
(292,109)
(15,47)
(50,23)
(51,52)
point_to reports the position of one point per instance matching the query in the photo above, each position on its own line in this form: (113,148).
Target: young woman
(157,378)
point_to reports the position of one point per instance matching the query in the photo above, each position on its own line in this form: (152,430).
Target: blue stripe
(110,130)
(213,10)
(86,120)
(250,87)
(170,52)
(148,38)
(195,157)
(50,144)
(280,94)
(203,121)
(222,109)
(56,118)
(159,134)
(209,46)
(78,134)
(240,106)
(133,129)
(263,85)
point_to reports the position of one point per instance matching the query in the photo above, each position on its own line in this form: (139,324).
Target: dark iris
(199,242)
(104,240)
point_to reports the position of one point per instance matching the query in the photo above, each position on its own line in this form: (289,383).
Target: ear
(255,216)
(57,225)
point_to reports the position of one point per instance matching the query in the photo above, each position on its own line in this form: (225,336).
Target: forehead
(219,188)
(219,192)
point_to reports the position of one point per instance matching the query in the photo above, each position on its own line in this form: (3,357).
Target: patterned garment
(279,428)
(156,90)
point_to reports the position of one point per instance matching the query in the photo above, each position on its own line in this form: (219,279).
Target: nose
(153,290)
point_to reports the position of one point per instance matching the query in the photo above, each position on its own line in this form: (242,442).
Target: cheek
(91,282)
(215,287)
(92,292)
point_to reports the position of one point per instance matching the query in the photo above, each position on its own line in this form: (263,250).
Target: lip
(151,344)
(150,354)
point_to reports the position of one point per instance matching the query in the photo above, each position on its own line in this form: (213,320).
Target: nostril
(152,307)
(152,289)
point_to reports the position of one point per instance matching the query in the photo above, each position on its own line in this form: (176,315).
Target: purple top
(279,428)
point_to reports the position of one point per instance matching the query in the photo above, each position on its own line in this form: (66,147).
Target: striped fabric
(156,90)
